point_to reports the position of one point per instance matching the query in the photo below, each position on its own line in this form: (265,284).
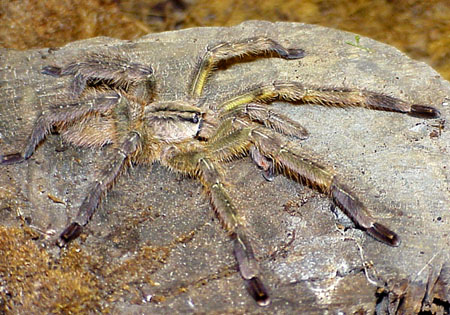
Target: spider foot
(294,53)
(424,111)
(264,163)
(383,234)
(269,175)
(354,209)
(52,70)
(248,269)
(258,292)
(70,233)
(13,158)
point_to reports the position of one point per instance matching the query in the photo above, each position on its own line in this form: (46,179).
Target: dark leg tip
(256,289)
(295,53)
(70,233)
(11,159)
(424,111)
(52,70)
(383,234)
(302,134)
(269,175)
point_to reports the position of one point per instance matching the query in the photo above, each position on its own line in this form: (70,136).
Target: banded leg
(297,92)
(62,115)
(211,178)
(255,46)
(288,160)
(113,70)
(99,188)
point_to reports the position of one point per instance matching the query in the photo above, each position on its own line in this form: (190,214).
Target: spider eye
(195,118)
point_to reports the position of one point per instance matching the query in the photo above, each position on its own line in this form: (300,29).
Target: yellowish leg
(196,163)
(289,160)
(297,92)
(271,151)
(255,46)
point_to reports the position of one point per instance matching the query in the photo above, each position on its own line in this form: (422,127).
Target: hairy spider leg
(270,150)
(288,159)
(297,92)
(257,113)
(61,116)
(99,188)
(196,163)
(114,70)
(255,46)
(269,118)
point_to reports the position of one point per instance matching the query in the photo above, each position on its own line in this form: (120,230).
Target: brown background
(419,28)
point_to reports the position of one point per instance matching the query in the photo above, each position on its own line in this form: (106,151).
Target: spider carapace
(112,100)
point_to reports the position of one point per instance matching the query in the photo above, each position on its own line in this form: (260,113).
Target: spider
(112,100)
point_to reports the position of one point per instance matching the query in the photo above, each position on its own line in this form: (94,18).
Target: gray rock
(397,164)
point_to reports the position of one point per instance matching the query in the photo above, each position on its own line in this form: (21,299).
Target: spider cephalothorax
(111,101)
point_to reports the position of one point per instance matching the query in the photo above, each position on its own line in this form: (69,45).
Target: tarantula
(112,101)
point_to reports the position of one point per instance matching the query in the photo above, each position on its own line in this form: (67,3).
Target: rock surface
(397,164)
